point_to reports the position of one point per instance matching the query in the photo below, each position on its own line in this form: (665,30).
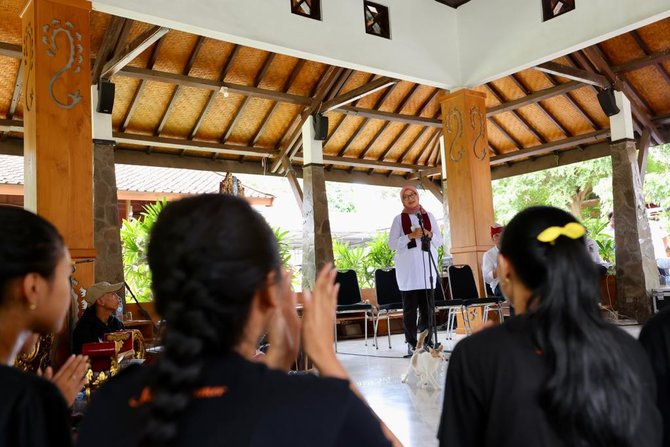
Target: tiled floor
(412,413)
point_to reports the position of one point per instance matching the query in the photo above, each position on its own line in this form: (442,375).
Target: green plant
(282,245)
(351,258)
(379,256)
(596,230)
(134,242)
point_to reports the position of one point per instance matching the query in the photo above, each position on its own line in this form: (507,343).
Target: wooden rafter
(286,87)
(534,97)
(550,147)
(568,96)
(240,111)
(435,153)
(642,152)
(208,84)
(106,49)
(212,94)
(416,140)
(386,116)
(650,59)
(132,50)
(493,120)
(358,93)
(574,74)
(202,146)
(598,59)
(397,109)
(498,95)
(427,148)
(361,127)
(175,94)
(16,94)
(332,73)
(140,88)
(10,50)
(645,49)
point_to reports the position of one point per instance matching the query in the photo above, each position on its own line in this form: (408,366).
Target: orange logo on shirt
(205,392)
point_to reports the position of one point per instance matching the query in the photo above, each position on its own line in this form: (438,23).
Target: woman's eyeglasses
(408,196)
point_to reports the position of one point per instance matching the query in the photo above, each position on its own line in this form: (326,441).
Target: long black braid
(208,256)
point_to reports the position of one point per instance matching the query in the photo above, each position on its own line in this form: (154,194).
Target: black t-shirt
(33,412)
(493,385)
(655,337)
(258,407)
(90,329)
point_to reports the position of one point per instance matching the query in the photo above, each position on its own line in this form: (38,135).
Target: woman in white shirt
(412,263)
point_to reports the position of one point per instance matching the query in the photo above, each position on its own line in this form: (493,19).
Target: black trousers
(411,300)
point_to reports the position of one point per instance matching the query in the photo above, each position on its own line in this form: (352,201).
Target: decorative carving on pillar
(455,115)
(476,116)
(29,63)
(74,60)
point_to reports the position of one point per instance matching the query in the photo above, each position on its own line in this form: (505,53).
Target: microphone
(420,217)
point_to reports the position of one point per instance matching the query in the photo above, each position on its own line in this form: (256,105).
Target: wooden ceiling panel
(389,135)
(150,107)
(278,72)
(515,128)
(218,116)
(621,49)
(344,132)
(250,121)
(652,87)
(278,124)
(182,117)
(567,115)
(10,69)
(357,79)
(586,99)
(498,139)
(136,29)
(99,24)
(535,80)
(211,59)
(10,31)
(247,63)
(403,143)
(175,51)
(124,92)
(307,79)
(656,35)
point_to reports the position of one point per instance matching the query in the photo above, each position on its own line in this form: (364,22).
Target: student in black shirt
(655,337)
(35,272)
(557,374)
(98,319)
(218,283)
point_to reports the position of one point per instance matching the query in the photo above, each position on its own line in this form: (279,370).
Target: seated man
(98,319)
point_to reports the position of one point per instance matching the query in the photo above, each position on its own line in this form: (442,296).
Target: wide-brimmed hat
(98,289)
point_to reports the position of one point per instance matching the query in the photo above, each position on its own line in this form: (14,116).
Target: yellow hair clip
(573,230)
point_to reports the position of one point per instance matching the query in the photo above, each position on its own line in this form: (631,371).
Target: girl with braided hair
(557,374)
(218,283)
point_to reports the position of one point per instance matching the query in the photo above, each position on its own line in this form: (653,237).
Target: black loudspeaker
(320,127)
(105,96)
(607,101)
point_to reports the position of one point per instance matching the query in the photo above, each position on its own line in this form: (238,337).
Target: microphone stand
(430,293)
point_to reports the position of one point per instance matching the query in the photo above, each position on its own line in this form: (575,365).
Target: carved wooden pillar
(57,124)
(468,182)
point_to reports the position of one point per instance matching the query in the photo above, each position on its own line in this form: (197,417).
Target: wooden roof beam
(294,132)
(358,163)
(645,49)
(637,105)
(497,94)
(574,74)
(208,84)
(534,97)
(106,49)
(10,50)
(650,59)
(202,146)
(550,147)
(132,50)
(551,160)
(358,93)
(386,116)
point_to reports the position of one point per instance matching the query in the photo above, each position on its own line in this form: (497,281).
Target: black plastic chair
(389,299)
(462,286)
(349,300)
(453,308)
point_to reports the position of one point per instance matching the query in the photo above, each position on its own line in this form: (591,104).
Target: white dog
(425,365)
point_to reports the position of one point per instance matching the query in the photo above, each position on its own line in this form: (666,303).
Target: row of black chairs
(463,291)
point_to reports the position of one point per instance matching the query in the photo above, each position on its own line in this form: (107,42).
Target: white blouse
(412,264)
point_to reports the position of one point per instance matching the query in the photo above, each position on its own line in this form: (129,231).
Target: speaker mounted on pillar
(320,126)
(607,101)
(106,90)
